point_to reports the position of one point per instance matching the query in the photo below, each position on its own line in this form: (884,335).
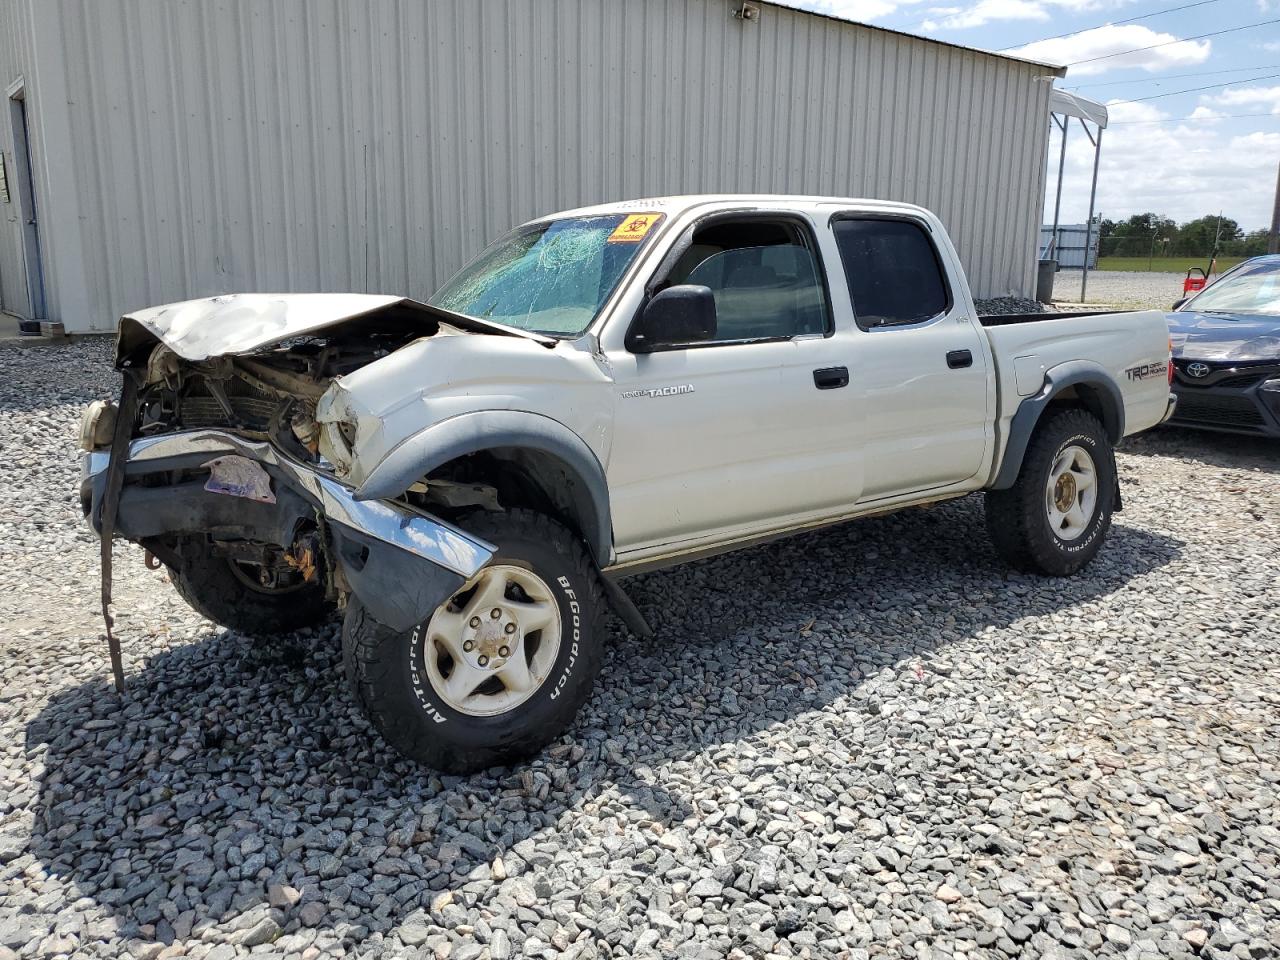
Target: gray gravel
(1122,289)
(868,742)
(1007,305)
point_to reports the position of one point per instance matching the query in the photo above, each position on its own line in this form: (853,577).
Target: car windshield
(552,277)
(1253,288)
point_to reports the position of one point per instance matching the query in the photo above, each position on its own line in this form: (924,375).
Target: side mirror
(1177,304)
(674,317)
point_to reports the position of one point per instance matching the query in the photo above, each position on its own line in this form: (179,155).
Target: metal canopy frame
(1062,107)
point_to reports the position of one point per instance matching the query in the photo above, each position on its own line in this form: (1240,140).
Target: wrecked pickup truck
(599,393)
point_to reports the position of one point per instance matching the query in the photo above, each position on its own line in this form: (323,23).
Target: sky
(1182,150)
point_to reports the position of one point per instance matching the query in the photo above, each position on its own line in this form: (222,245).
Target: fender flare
(467,433)
(1083,373)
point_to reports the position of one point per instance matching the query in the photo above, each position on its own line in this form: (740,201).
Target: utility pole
(1273,241)
(1217,236)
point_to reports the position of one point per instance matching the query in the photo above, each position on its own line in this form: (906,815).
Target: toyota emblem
(1198,369)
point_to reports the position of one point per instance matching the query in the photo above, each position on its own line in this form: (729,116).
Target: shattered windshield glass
(551,277)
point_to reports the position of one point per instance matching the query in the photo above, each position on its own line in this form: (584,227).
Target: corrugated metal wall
(16,34)
(228,145)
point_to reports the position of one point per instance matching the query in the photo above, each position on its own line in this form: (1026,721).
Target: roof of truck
(676,205)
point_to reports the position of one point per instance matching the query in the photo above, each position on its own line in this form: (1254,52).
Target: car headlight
(337,428)
(336,439)
(97,425)
(1270,394)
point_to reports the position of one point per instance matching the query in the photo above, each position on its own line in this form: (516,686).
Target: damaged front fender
(401,563)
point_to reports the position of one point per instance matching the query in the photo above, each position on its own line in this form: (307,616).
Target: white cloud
(861,10)
(953,15)
(1181,170)
(1248,97)
(1204,113)
(985,11)
(1111,40)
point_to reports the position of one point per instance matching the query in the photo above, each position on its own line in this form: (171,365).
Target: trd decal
(1148,370)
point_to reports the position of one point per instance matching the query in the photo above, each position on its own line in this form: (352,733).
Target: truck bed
(1007,319)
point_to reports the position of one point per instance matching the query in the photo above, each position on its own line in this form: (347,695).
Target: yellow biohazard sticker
(634,227)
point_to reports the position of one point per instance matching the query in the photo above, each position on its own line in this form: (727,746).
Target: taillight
(1170,364)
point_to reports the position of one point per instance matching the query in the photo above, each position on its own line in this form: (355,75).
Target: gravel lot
(869,742)
(1123,289)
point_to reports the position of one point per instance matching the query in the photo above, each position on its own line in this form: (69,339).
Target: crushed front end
(214,457)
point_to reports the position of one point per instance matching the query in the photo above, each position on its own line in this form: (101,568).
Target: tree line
(1144,234)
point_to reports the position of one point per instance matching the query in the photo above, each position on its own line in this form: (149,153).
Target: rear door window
(894,272)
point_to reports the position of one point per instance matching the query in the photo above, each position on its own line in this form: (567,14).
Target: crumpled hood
(1215,336)
(241,323)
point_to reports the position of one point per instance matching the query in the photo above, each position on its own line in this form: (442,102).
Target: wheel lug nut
(495,613)
(484,661)
(511,628)
(475,622)
(469,646)
(504,651)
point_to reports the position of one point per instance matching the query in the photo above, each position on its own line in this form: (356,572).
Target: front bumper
(1236,398)
(400,562)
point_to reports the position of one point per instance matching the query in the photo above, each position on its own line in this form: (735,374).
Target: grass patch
(1166,264)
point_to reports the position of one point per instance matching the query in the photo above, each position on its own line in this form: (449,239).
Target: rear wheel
(502,667)
(1056,515)
(237,595)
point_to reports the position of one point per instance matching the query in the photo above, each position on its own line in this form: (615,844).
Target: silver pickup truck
(600,392)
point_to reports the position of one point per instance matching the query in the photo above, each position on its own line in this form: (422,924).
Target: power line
(1225,116)
(1212,86)
(1215,33)
(1177,76)
(1109,23)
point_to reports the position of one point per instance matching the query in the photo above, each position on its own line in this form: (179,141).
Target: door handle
(829,378)
(959,358)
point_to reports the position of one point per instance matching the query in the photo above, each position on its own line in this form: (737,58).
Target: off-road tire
(383,674)
(213,590)
(1016,519)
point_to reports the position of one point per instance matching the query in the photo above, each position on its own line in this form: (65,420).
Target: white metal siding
(224,145)
(15,61)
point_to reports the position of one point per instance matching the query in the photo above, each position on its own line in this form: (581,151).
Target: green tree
(1250,245)
(1134,237)
(1196,238)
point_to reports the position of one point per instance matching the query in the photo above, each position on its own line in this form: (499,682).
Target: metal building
(1067,243)
(156,150)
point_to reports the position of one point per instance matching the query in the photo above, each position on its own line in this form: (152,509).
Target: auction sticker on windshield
(634,227)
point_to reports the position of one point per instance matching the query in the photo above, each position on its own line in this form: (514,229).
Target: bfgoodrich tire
(1055,517)
(219,590)
(501,668)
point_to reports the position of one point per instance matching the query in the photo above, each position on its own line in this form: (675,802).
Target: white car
(600,392)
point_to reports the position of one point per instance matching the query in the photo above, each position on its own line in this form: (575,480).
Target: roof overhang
(1073,105)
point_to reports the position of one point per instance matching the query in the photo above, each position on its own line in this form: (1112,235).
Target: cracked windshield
(552,277)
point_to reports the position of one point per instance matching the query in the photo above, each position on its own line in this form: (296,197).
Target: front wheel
(501,668)
(239,596)
(1056,515)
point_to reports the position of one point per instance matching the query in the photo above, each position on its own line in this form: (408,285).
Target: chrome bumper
(419,534)
(1173,405)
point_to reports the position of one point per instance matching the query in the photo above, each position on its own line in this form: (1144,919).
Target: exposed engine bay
(268,396)
(216,462)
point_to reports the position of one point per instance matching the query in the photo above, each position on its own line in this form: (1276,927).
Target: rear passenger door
(919,363)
